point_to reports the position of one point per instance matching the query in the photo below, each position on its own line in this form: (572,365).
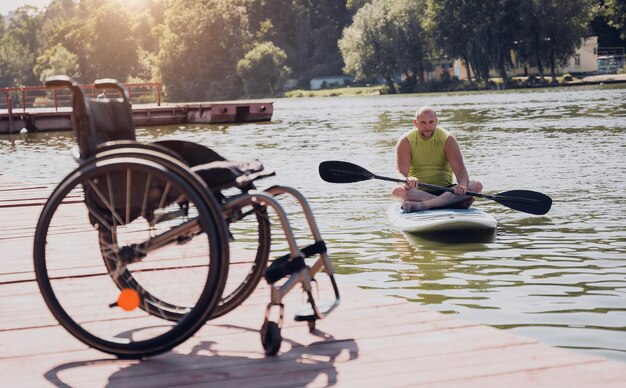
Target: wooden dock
(370,340)
(37,108)
(58,119)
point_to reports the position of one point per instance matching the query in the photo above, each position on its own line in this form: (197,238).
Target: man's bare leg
(415,200)
(445,199)
(411,199)
(402,194)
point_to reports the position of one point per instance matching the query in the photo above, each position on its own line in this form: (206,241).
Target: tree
(307,31)
(55,15)
(109,47)
(414,45)
(496,26)
(386,39)
(263,68)
(99,34)
(72,35)
(20,46)
(57,60)
(565,24)
(452,25)
(531,45)
(615,11)
(203,42)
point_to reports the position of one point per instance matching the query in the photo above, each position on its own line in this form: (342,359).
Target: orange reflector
(128,299)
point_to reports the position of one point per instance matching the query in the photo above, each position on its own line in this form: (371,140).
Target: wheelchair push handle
(110,83)
(60,81)
(64,81)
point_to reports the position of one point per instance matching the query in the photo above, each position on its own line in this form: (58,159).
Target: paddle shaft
(433,187)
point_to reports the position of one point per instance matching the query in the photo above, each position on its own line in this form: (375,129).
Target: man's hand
(411,182)
(460,189)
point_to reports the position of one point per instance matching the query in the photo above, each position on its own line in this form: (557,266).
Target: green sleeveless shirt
(428,158)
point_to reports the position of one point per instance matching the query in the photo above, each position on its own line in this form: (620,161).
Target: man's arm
(403,156)
(403,162)
(455,159)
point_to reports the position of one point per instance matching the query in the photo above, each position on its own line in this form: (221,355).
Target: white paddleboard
(441,220)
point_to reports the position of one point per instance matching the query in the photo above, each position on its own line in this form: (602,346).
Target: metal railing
(34,97)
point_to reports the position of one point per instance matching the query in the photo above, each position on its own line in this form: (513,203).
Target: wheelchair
(143,243)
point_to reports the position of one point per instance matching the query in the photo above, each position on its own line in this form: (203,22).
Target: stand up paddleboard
(441,220)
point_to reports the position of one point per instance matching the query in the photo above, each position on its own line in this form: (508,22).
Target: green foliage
(110,48)
(18,48)
(306,30)
(263,69)
(56,14)
(57,60)
(615,11)
(15,64)
(386,39)
(202,43)
(147,69)
(354,5)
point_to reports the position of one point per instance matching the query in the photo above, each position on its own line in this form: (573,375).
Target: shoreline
(599,79)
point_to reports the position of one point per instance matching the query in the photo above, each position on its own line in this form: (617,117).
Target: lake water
(559,278)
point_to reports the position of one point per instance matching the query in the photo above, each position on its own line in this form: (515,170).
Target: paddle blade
(336,171)
(525,201)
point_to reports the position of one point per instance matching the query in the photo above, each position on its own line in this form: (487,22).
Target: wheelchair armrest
(60,81)
(223,174)
(110,83)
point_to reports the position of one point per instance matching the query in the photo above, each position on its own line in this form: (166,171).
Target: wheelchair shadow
(205,364)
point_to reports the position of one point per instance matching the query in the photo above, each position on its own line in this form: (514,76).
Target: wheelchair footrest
(282,267)
(306,313)
(286,265)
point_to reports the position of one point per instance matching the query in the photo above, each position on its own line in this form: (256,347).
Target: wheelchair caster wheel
(311,326)
(271,338)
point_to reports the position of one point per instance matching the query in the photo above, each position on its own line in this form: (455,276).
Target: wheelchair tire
(175,248)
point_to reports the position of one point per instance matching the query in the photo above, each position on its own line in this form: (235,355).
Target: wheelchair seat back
(105,120)
(99,120)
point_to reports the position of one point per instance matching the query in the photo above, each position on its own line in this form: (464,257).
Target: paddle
(526,201)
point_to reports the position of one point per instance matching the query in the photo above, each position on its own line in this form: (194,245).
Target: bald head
(425,109)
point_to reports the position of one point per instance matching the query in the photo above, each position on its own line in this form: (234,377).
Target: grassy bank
(335,92)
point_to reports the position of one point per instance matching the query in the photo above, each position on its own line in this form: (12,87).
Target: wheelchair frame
(107,151)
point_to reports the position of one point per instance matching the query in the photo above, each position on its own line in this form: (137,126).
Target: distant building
(585,60)
(330,81)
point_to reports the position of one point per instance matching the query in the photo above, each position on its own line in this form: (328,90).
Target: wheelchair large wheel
(250,241)
(172,245)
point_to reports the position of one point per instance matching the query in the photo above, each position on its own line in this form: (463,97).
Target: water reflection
(560,278)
